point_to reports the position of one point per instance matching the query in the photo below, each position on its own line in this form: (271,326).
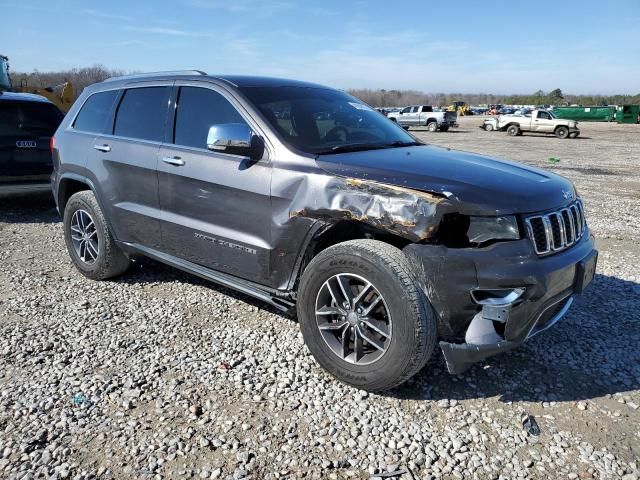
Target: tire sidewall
(403,337)
(432,126)
(77,203)
(512,131)
(562,135)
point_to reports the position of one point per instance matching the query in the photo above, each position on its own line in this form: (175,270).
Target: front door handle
(103,148)
(177,161)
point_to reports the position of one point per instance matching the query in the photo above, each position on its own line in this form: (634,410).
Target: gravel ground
(160,375)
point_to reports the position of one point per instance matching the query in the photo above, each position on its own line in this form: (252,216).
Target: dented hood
(476,184)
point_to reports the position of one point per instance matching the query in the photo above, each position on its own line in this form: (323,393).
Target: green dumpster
(628,114)
(586,114)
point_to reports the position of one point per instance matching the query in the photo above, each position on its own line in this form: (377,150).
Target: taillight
(52,144)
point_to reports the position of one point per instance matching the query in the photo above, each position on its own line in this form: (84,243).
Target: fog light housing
(496,296)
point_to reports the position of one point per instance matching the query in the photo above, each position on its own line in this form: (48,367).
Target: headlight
(484,229)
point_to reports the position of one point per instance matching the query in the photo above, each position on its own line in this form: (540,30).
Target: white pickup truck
(424,116)
(538,121)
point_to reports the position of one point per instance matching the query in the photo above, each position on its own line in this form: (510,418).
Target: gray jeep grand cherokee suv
(304,197)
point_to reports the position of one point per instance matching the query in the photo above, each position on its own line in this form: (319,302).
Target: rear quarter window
(142,113)
(95,111)
(34,119)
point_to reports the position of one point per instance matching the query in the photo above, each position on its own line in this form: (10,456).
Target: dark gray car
(306,198)
(27,123)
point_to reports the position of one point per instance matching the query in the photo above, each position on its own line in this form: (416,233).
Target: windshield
(322,121)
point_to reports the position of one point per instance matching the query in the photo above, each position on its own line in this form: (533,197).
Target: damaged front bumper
(491,300)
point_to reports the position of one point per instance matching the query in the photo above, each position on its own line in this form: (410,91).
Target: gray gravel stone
(160,375)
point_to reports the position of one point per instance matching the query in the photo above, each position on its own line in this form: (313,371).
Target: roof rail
(156,74)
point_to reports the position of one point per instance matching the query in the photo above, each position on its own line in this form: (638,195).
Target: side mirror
(236,139)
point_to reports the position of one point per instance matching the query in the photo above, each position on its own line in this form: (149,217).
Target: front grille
(558,230)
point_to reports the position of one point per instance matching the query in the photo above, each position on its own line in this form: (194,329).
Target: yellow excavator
(461,107)
(60,95)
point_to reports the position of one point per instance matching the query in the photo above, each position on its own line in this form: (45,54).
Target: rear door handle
(103,148)
(177,161)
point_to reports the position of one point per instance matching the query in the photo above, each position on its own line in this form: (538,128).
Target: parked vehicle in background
(5,82)
(424,116)
(538,121)
(61,96)
(462,108)
(381,243)
(27,123)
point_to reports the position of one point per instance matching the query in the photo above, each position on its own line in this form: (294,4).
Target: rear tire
(513,130)
(432,126)
(444,128)
(91,246)
(403,313)
(562,132)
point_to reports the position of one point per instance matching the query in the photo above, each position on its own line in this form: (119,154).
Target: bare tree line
(82,77)
(397,98)
(79,77)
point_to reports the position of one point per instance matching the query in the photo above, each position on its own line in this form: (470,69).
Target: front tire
(363,316)
(91,246)
(488,127)
(562,132)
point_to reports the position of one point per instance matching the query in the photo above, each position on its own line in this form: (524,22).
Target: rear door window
(142,113)
(95,111)
(199,109)
(28,119)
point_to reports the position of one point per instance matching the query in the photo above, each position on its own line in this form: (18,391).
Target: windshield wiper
(357,147)
(352,147)
(400,143)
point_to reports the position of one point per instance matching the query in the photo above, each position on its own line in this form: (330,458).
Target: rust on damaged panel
(406,212)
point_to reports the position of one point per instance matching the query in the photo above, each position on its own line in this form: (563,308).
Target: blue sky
(448,46)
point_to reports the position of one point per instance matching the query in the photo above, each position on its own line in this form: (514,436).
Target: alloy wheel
(353,319)
(84,236)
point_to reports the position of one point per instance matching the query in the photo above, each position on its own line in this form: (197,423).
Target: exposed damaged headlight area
(461,231)
(417,216)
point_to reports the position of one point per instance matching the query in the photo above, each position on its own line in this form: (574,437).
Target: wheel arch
(70,184)
(326,235)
